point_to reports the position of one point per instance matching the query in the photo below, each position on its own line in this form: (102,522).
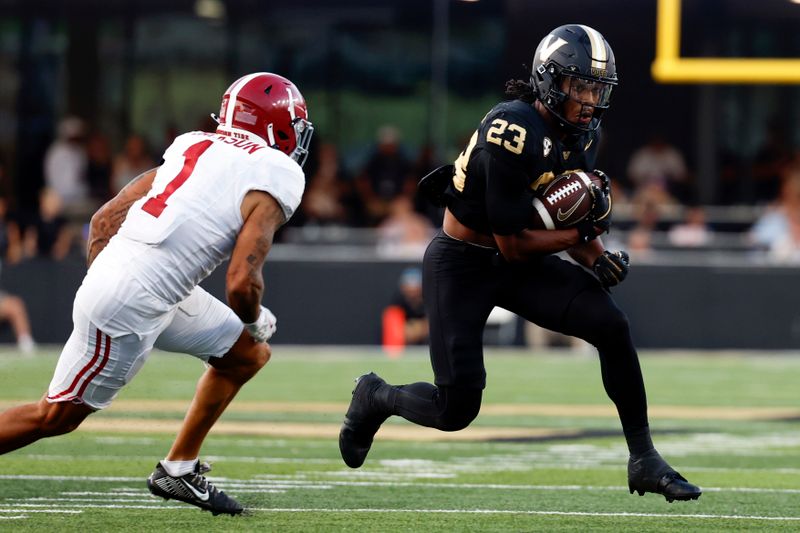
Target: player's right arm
(508,207)
(262,217)
(107,220)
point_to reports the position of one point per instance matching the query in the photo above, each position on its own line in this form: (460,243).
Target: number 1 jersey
(187,224)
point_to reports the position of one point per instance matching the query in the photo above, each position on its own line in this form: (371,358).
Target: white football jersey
(188,223)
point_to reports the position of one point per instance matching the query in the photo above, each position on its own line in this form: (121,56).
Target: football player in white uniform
(216,196)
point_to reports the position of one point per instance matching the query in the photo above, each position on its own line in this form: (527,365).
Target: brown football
(565,201)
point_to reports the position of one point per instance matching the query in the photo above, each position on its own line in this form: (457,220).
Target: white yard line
(272,484)
(523,512)
(59,509)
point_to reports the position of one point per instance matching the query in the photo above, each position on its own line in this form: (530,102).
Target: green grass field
(546,453)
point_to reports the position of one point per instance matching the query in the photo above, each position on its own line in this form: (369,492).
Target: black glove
(598,220)
(601,208)
(612,268)
(606,187)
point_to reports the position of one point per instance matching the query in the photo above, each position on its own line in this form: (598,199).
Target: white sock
(178,468)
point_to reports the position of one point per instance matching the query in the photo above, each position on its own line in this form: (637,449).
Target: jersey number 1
(156,205)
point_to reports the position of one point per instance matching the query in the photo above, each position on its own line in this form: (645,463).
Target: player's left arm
(244,280)
(107,220)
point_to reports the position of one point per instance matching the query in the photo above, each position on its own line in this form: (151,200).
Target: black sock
(639,441)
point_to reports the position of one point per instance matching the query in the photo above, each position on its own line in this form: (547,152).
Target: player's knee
(243,360)
(261,357)
(461,408)
(456,419)
(615,324)
(607,326)
(61,418)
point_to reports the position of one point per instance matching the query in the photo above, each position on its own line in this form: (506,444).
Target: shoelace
(200,479)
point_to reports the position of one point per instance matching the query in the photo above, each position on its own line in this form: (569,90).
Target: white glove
(264,326)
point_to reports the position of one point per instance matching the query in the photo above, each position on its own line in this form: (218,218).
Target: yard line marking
(56,508)
(531,464)
(276,484)
(33,501)
(34,477)
(599,410)
(13,517)
(521,512)
(422,511)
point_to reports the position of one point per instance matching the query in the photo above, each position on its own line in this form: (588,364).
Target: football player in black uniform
(487,256)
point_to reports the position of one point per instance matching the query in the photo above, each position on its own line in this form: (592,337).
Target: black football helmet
(574,61)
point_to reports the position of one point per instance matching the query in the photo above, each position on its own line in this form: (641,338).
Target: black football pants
(462,283)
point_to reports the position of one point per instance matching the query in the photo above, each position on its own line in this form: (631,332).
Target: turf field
(546,453)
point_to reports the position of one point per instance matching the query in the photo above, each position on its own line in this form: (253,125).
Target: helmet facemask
(303,130)
(578,102)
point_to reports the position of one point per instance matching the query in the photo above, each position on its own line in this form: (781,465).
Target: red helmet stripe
(228,119)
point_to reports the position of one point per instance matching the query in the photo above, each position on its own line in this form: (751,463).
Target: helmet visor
(587,92)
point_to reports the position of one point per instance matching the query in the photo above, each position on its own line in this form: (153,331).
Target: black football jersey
(513,153)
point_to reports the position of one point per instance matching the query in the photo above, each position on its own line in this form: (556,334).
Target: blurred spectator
(640,237)
(10,236)
(660,165)
(731,180)
(328,193)
(98,172)
(404,320)
(770,162)
(693,231)
(49,235)
(404,233)
(65,165)
(132,161)
(386,175)
(778,229)
(12,310)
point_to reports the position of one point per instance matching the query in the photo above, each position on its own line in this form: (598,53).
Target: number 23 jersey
(189,221)
(513,153)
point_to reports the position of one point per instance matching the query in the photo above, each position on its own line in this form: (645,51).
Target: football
(565,201)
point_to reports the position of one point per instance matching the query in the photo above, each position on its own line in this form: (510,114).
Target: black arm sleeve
(508,197)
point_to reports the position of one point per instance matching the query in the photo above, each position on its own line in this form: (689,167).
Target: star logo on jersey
(547,145)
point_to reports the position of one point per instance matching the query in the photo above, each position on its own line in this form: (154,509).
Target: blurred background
(706,171)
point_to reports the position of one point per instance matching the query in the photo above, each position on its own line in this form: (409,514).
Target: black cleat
(651,473)
(193,488)
(361,422)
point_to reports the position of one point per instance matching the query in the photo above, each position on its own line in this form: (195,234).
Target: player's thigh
(202,326)
(544,292)
(93,367)
(459,287)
